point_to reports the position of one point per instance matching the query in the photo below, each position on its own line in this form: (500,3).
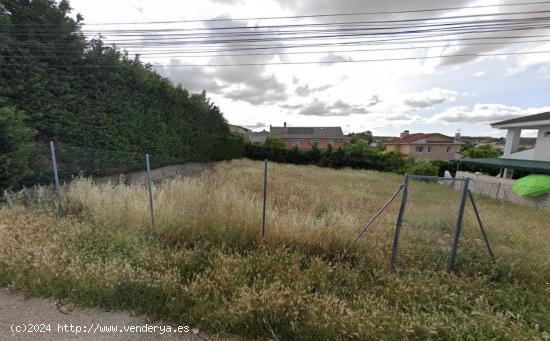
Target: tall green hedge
(80,92)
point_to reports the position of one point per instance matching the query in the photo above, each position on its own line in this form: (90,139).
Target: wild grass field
(207,265)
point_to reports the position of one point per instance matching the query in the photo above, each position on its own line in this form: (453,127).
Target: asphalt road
(51,320)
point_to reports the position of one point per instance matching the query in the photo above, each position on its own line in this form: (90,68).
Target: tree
(15,147)
(483,151)
(364,136)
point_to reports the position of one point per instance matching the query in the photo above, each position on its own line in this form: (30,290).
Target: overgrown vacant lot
(208,266)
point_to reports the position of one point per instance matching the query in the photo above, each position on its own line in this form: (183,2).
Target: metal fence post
(56,180)
(265,197)
(400,219)
(150,190)
(480,222)
(458,225)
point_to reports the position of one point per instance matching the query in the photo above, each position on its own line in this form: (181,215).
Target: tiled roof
(411,138)
(524,119)
(308,132)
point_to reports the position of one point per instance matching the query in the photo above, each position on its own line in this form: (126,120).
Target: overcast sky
(421,95)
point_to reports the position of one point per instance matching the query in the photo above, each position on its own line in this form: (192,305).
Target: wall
(542,146)
(500,188)
(439,151)
(323,143)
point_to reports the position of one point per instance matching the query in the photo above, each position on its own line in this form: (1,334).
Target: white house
(539,122)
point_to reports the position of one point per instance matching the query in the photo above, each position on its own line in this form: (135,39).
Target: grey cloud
(250,84)
(306,7)
(256,89)
(338,108)
(331,57)
(305,90)
(425,99)
(374,100)
(398,118)
(256,125)
(193,78)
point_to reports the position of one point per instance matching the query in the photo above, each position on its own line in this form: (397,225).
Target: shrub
(420,167)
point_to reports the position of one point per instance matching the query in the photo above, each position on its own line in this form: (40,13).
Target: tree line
(57,85)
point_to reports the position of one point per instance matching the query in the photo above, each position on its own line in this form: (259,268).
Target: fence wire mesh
(429,222)
(317,209)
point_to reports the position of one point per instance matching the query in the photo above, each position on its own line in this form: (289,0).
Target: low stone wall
(500,188)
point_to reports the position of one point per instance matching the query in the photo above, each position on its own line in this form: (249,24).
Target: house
(307,137)
(533,160)
(433,146)
(238,129)
(541,149)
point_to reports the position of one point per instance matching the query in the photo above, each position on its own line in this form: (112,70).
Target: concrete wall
(500,188)
(541,152)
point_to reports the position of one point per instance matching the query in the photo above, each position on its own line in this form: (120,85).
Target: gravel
(17,311)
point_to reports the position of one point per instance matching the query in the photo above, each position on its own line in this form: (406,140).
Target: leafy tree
(364,136)
(15,146)
(483,151)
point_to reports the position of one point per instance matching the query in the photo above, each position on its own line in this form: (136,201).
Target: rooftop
(415,137)
(545,116)
(308,132)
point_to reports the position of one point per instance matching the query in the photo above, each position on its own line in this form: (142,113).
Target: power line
(325,15)
(162,42)
(299,63)
(174,54)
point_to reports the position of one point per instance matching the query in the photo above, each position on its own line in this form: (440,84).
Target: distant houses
(238,129)
(433,146)
(302,137)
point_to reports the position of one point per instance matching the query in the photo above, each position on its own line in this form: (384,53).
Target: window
(429,149)
(448,149)
(296,143)
(315,142)
(419,149)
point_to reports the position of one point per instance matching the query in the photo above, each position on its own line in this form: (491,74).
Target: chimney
(404,134)
(285,125)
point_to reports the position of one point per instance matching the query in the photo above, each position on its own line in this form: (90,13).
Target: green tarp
(532,185)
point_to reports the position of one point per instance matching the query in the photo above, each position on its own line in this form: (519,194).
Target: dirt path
(17,313)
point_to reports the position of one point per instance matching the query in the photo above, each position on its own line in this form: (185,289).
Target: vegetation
(483,151)
(84,93)
(208,266)
(356,155)
(15,146)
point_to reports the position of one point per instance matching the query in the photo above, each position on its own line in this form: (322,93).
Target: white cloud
(428,98)
(479,74)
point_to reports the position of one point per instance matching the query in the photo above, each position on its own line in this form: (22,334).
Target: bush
(357,155)
(420,167)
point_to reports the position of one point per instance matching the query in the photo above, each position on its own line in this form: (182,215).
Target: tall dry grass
(319,211)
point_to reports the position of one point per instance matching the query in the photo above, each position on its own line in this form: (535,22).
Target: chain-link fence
(320,210)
